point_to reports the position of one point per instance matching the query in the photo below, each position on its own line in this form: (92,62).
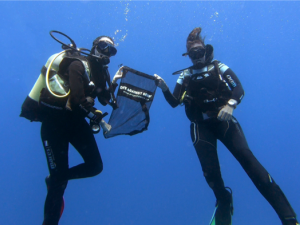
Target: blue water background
(154,177)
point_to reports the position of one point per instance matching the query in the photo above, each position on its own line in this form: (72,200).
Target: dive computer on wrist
(232,103)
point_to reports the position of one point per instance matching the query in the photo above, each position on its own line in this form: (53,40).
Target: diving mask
(196,53)
(106,48)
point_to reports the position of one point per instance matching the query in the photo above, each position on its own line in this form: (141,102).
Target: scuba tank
(51,66)
(30,107)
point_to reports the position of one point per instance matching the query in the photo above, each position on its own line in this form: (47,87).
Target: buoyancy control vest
(207,89)
(51,90)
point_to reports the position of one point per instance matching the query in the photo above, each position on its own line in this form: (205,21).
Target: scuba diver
(63,116)
(210,91)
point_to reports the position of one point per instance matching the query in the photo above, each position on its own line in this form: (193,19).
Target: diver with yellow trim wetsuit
(63,119)
(210,92)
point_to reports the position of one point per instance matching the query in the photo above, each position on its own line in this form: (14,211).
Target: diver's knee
(97,169)
(57,185)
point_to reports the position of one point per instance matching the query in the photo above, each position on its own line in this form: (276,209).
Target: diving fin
(223,212)
(62,207)
(213,219)
(290,221)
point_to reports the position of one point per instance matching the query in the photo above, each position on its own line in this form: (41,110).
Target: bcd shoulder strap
(217,69)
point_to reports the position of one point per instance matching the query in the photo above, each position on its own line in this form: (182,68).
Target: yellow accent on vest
(47,76)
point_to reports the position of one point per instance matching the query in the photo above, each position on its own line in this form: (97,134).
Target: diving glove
(161,83)
(118,75)
(225,113)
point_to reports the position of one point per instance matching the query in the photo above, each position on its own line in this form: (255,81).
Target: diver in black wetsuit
(66,124)
(211,91)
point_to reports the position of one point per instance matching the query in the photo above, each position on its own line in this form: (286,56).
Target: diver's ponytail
(194,37)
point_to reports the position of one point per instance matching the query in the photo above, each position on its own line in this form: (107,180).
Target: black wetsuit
(59,128)
(206,129)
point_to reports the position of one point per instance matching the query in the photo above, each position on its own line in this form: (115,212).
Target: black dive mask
(196,53)
(106,48)
(101,58)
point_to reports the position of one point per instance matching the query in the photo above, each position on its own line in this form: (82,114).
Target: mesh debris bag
(135,96)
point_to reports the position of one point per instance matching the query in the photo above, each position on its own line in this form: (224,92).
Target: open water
(154,178)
